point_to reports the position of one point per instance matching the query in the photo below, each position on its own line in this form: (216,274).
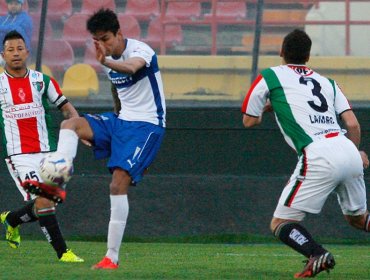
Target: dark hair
(296,47)
(12,35)
(103,20)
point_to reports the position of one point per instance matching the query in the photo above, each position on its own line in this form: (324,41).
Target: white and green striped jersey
(305,103)
(24,112)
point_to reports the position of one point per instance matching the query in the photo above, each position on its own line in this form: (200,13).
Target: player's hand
(365,159)
(100,51)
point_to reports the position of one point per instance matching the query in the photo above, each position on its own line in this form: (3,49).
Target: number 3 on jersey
(316,91)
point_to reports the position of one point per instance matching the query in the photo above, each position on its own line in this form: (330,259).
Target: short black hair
(103,20)
(14,34)
(296,47)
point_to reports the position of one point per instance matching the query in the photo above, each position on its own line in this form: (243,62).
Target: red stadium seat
(74,30)
(184,10)
(48,32)
(90,58)
(91,6)
(143,10)
(229,11)
(57,55)
(59,10)
(173,34)
(130,26)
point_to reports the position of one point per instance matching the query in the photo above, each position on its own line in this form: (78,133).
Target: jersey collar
(11,76)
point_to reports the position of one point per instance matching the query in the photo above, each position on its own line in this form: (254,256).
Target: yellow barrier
(228,77)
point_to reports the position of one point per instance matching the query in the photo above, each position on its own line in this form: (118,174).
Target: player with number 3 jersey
(306,105)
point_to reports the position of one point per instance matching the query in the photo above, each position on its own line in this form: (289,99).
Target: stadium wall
(228,77)
(211,177)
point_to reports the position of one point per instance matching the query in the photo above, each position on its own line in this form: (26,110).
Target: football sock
(367,223)
(118,217)
(50,227)
(68,142)
(298,238)
(25,214)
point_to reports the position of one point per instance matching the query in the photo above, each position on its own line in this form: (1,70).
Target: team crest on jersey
(301,70)
(38,85)
(22,94)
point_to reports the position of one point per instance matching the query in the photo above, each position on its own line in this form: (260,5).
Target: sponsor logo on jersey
(120,80)
(23,111)
(22,94)
(3,90)
(326,131)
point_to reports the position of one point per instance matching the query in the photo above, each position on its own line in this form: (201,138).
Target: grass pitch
(37,260)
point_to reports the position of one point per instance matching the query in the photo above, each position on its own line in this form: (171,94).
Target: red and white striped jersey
(305,103)
(25,119)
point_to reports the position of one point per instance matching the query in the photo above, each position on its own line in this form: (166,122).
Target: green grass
(36,260)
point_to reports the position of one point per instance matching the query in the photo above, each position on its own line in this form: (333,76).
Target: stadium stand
(4,7)
(269,44)
(130,26)
(143,10)
(229,11)
(90,6)
(173,34)
(285,15)
(58,11)
(80,80)
(187,10)
(58,55)
(44,69)
(48,32)
(74,30)
(89,57)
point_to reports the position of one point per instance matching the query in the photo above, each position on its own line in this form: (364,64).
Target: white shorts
(22,167)
(326,166)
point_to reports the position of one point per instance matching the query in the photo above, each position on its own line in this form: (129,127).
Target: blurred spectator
(16,19)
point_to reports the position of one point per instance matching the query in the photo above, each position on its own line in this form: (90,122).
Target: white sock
(67,143)
(118,217)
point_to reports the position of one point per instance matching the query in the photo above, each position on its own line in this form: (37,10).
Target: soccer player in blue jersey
(131,135)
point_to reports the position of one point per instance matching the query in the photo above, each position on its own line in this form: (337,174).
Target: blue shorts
(129,145)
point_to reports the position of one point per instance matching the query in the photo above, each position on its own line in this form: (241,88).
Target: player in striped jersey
(131,135)
(306,106)
(27,136)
